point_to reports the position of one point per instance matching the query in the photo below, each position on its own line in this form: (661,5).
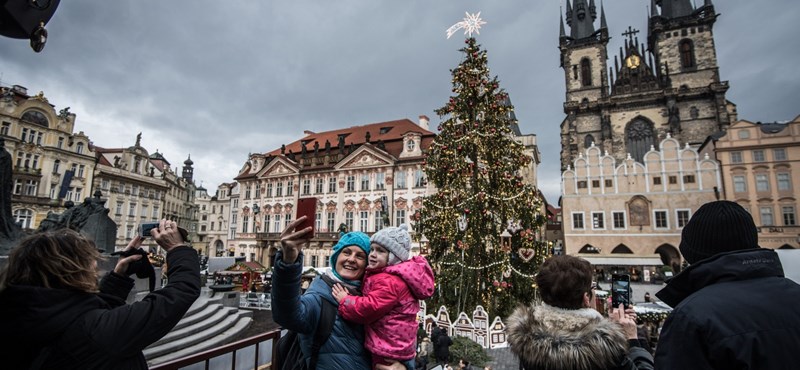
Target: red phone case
(307,207)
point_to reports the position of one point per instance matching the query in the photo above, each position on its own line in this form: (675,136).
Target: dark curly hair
(59,259)
(562,281)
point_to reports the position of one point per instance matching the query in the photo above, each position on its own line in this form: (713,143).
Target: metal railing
(255,352)
(255,301)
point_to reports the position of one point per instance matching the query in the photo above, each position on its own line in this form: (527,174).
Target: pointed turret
(603,25)
(707,3)
(569,13)
(188,171)
(561,33)
(580,18)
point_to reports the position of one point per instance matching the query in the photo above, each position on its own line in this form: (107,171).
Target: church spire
(561,33)
(603,24)
(653,10)
(580,18)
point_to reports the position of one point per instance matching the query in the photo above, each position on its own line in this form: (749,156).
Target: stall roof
(622,259)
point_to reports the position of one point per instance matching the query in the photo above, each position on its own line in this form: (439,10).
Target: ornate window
(686,48)
(34,116)
(586,72)
(639,138)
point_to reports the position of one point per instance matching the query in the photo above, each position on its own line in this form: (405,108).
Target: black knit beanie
(718,227)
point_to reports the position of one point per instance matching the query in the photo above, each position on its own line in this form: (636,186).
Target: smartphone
(145,227)
(620,290)
(307,207)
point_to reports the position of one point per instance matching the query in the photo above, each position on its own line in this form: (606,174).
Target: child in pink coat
(393,285)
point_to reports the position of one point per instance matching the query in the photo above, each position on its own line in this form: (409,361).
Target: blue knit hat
(356,238)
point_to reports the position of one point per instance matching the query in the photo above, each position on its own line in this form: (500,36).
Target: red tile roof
(387,131)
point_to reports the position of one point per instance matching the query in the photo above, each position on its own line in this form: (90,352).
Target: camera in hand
(145,227)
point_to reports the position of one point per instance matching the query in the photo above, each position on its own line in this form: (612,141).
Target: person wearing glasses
(565,331)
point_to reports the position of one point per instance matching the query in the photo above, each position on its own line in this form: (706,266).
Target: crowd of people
(733,307)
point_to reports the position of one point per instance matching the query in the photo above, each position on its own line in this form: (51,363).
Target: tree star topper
(472,23)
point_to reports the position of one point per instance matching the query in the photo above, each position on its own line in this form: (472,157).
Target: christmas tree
(484,224)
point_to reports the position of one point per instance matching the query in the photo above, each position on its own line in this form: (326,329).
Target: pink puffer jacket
(389,307)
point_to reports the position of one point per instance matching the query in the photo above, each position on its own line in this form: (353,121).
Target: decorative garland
(459,205)
(509,265)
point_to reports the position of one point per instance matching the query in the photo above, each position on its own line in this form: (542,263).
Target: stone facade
(759,165)
(622,207)
(140,187)
(52,164)
(672,88)
(213,220)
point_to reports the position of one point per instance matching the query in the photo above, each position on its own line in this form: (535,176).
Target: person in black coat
(733,307)
(57,315)
(442,350)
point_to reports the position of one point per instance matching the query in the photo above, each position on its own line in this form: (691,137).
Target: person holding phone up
(60,317)
(566,332)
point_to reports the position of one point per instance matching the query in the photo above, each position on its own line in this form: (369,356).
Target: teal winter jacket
(344,349)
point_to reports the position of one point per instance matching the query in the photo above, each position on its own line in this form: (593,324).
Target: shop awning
(622,259)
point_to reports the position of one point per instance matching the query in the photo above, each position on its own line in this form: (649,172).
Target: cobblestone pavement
(503,359)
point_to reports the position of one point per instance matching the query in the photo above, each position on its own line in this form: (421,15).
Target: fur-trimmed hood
(546,337)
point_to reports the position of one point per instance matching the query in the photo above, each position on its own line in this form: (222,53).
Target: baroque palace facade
(141,187)
(363,178)
(55,167)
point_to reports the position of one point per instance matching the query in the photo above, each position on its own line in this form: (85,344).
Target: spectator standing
(733,307)
(566,332)
(60,317)
(442,350)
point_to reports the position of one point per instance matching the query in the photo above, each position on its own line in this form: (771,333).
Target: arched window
(622,249)
(586,72)
(587,141)
(686,48)
(638,138)
(23,217)
(34,116)
(79,148)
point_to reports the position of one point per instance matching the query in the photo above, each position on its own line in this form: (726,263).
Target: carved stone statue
(139,139)
(303,150)
(316,148)
(283,148)
(341,145)
(64,113)
(367,136)
(9,230)
(327,147)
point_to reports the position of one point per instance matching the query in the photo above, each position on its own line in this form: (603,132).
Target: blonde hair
(60,259)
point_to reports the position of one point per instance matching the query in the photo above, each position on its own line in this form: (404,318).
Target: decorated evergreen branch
(484,225)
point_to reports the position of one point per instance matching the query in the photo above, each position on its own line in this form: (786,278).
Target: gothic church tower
(672,87)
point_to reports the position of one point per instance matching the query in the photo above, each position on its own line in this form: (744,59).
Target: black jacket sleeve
(128,329)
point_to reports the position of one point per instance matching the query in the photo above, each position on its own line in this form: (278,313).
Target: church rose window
(639,138)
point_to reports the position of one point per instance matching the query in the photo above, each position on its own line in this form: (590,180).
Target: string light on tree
(483,223)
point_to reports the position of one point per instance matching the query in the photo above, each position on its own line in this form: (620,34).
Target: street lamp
(26,20)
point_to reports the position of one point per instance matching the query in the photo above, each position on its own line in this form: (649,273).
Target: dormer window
(410,145)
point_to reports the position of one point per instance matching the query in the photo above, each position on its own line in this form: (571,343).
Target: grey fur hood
(546,337)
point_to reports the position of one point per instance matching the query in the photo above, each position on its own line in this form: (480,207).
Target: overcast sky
(220,79)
